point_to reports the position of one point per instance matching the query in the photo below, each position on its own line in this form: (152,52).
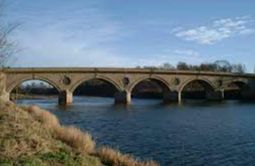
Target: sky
(130,33)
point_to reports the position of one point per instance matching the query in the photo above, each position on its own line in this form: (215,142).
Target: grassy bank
(33,136)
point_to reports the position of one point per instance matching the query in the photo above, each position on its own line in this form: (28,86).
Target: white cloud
(218,30)
(247,31)
(180,55)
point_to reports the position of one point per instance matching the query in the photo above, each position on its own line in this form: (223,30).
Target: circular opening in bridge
(236,91)
(33,91)
(197,89)
(94,91)
(150,89)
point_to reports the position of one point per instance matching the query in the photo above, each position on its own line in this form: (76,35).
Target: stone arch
(204,80)
(238,82)
(210,90)
(166,93)
(10,87)
(104,78)
(237,89)
(153,78)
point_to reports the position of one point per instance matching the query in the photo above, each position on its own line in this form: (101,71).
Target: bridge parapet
(66,80)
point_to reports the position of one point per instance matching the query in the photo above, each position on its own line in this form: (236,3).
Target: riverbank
(33,136)
(31,96)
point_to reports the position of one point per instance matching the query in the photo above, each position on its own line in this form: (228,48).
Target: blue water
(193,133)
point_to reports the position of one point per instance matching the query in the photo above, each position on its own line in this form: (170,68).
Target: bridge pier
(65,97)
(122,97)
(170,97)
(215,95)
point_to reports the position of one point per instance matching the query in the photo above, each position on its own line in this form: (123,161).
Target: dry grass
(46,118)
(80,141)
(21,134)
(112,157)
(37,134)
(26,141)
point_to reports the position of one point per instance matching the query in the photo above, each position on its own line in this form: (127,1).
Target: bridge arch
(153,78)
(103,78)
(207,85)
(239,82)
(203,80)
(28,78)
(236,89)
(152,87)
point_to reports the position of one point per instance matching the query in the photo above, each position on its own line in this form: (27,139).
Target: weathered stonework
(122,97)
(66,80)
(65,97)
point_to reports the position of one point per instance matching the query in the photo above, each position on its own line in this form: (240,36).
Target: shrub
(80,141)
(115,158)
(46,118)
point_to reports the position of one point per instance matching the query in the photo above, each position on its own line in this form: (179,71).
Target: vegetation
(7,46)
(217,66)
(33,136)
(113,157)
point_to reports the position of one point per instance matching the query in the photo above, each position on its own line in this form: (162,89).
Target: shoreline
(24,96)
(39,126)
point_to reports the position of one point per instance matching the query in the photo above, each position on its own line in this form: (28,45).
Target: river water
(191,133)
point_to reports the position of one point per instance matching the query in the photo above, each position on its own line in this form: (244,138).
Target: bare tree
(238,68)
(182,66)
(223,66)
(167,66)
(7,46)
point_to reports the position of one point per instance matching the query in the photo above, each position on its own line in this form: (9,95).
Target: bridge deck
(121,70)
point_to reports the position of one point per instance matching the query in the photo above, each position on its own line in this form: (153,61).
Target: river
(191,133)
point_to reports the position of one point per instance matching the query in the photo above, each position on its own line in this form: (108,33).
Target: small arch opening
(196,89)
(95,89)
(235,90)
(30,90)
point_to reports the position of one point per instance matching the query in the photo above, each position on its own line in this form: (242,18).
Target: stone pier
(65,97)
(123,97)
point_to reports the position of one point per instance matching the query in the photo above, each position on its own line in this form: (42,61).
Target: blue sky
(118,33)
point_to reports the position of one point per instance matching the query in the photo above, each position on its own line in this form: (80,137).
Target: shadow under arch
(159,80)
(150,87)
(196,88)
(103,78)
(96,86)
(235,90)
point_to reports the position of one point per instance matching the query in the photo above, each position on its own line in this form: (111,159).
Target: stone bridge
(66,80)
